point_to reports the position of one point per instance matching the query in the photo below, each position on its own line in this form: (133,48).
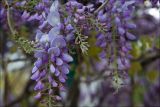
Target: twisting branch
(26,45)
(16,60)
(148,57)
(101,7)
(24,94)
(8,19)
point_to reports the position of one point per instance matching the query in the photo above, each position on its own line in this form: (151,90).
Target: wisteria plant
(93,38)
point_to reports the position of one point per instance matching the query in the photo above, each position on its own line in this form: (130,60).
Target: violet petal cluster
(51,67)
(116,41)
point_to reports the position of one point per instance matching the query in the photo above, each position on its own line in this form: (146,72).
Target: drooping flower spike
(52,57)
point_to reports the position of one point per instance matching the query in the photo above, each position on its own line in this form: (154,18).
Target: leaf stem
(101,7)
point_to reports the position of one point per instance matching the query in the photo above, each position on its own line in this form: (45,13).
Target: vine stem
(8,19)
(101,7)
(115,59)
(49,105)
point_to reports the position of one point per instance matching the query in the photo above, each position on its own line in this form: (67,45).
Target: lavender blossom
(52,57)
(120,39)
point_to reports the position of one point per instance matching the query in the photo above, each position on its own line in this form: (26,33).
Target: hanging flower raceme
(51,67)
(77,24)
(52,63)
(116,41)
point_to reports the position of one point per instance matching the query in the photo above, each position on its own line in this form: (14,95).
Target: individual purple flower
(38,96)
(39,86)
(130,36)
(66,57)
(35,76)
(58,98)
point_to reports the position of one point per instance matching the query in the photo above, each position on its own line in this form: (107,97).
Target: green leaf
(136,51)
(152,76)
(138,95)
(146,42)
(93,50)
(157,43)
(135,68)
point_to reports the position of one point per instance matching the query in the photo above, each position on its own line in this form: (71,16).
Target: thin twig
(8,19)
(16,60)
(101,7)
(148,57)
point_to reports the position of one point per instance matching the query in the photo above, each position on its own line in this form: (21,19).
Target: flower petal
(50,91)
(50,79)
(65,69)
(59,61)
(67,57)
(54,50)
(131,25)
(69,27)
(38,96)
(58,42)
(130,36)
(38,63)
(52,68)
(43,73)
(61,79)
(54,84)
(54,32)
(53,58)
(39,54)
(57,72)
(58,98)
(35,76)
(121,30)
(53,18)
(34,69)
(39,86)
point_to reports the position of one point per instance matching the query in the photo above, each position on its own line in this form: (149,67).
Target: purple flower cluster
(155,3)
(3,16)
(22,16)
(52,57)
(52,62)
(78,10)
(41,11)
(78,16)
(15,16)
(116,41)
(151,97)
